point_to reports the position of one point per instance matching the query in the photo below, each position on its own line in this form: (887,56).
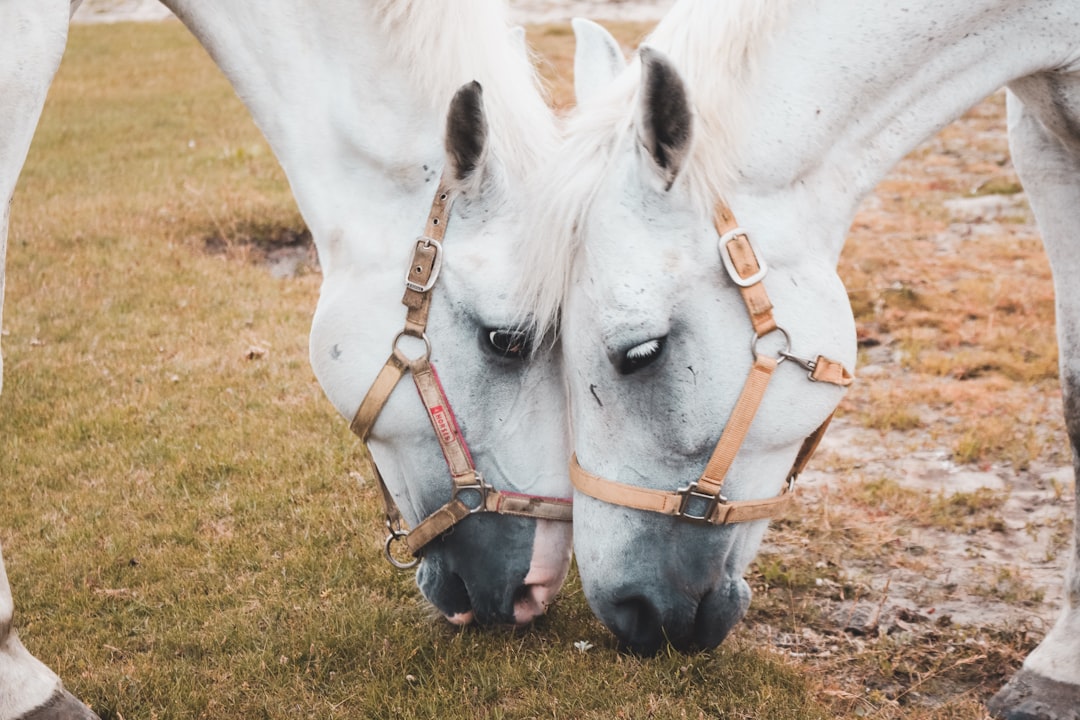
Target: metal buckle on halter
(729,264)
(691,494)
(477,492)
(425,243)
(785,354)
(397,535)
(809,365)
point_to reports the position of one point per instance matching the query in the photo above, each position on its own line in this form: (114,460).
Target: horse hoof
(61,706)
(1029,696)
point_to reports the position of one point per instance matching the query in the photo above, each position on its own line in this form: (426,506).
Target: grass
(185,526)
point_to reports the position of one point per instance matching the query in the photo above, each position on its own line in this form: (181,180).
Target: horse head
(498,453)
(658,341)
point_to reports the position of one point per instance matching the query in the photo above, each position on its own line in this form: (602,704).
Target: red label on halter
(442,423)
(445,423)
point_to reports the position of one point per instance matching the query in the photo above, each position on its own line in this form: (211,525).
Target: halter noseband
(470,493)
(701,501)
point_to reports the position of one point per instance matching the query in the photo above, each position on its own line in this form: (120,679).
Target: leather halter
(470,493)
(701,501)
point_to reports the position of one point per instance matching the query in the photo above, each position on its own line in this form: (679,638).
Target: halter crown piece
(470,494)
(701,501)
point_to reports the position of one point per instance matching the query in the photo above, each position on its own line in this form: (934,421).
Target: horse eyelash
(644,350)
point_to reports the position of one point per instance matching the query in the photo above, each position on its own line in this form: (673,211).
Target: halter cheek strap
(470,494)
(701,501)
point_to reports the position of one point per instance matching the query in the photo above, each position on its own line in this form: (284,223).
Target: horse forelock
(445,45)
(563,192)
(714,45)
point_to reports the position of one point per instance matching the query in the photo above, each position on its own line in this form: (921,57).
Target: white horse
(353,97)
(788,112)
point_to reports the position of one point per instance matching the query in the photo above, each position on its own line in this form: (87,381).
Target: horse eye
(509,343)
(641,356)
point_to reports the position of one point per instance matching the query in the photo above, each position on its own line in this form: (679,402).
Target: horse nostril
(446,591)
(637,624)
(719,611)
(530,602)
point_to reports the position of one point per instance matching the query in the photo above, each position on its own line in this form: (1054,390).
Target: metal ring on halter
(480,488)
(398,535)
(783,354)
(421,336)
(808,365)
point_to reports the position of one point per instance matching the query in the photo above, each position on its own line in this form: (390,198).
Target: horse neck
(843,90)
(354,108)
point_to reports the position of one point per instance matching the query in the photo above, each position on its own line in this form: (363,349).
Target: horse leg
(28,689)
(34,34)
(1044,134)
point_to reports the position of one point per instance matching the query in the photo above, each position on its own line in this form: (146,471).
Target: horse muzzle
(496,569)
(645,619)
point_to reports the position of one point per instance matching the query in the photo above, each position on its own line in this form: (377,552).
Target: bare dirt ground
(1036,490)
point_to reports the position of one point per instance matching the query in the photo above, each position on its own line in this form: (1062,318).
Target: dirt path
(1007,566)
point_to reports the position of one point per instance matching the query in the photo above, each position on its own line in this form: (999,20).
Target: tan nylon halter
(470,493)
(701,501)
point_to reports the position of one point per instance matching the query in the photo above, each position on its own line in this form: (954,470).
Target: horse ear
(517,37)
(664,117)
(466,134)
(598,59)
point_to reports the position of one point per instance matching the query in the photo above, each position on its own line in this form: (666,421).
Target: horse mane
(715,45)
(443,45)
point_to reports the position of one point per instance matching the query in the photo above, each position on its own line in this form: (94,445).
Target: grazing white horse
(689,407)
(392,120)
